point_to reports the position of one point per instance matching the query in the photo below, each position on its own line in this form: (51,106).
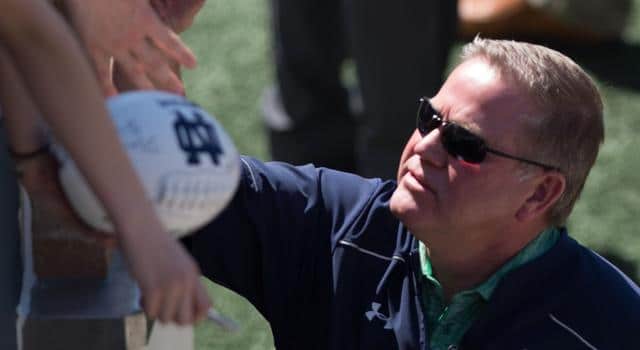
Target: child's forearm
(21,116)
(61,81)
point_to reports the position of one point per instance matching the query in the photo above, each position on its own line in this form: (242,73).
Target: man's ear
(547,190)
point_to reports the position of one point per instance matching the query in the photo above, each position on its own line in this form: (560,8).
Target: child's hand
(168,277)
(177,14)
(130,32)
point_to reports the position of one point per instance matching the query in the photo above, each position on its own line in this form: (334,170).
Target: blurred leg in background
(400,51)
(307,113)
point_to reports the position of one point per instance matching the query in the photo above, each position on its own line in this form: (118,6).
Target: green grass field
(231,40)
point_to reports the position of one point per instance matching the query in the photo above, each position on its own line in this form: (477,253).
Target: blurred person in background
(577,21)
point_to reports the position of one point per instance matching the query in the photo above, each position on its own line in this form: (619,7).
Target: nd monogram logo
(196,136)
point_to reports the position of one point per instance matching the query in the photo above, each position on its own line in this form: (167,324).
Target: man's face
(441,196)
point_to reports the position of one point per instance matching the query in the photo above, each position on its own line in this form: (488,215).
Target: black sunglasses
(458,141)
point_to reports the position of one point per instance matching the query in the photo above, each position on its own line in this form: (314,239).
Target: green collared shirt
(447,324)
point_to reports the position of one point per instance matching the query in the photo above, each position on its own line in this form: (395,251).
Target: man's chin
(403,206)
(414,214)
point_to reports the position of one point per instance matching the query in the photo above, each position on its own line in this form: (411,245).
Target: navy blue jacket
(322,258)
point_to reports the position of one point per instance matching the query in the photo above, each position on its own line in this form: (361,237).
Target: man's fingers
(135,71)
(170,44)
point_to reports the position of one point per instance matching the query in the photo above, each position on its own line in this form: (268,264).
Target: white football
(188,164)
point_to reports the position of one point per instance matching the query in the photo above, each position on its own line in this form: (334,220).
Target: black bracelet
(20,156)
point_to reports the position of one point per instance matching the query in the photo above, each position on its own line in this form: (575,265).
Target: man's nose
(429,148)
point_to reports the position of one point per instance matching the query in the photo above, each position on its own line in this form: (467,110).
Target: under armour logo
(375,313)
(197,136)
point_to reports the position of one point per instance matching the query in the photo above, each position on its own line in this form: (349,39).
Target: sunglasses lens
(459,142)
(427,118)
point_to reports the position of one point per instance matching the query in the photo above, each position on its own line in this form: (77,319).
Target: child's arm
(62,84)
(24,131)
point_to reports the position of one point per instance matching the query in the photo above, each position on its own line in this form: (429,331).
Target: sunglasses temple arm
(533,162)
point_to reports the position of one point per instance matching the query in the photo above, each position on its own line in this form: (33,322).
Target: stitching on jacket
(253,178)
(573,332)
(368,252)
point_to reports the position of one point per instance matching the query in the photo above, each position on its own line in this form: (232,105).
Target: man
(465,251)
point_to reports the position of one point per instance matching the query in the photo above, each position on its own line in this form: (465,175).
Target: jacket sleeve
(272,244)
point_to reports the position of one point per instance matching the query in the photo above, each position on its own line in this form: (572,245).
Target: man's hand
(131,33)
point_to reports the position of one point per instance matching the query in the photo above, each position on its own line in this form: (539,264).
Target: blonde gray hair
(569,129)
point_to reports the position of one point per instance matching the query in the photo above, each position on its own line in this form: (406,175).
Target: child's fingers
(170,303)
(185,311)
(166,79)
(170,43)
(158,68)
(135,71)
(151,303)
(103,66)
(202,303)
